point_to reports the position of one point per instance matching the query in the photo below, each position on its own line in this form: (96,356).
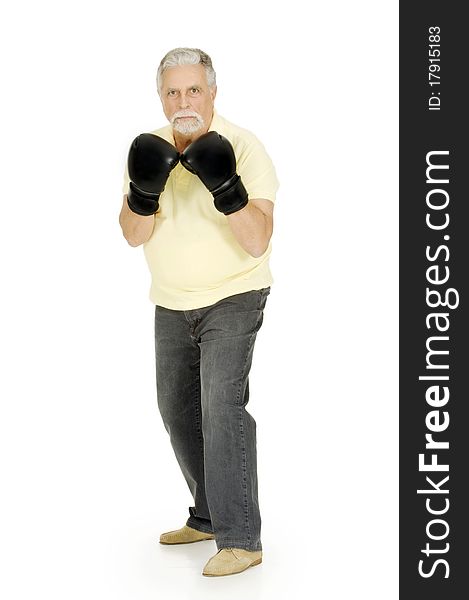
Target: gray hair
(186,56)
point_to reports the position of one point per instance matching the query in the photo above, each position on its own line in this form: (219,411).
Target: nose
(183,101)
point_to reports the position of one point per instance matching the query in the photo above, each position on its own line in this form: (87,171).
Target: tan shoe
(229,561)
(185,535)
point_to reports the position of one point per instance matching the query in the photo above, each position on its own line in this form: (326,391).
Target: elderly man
(199,195)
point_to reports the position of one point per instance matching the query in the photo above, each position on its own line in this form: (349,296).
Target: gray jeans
(203,359)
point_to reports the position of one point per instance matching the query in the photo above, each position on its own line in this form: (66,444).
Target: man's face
(187,100)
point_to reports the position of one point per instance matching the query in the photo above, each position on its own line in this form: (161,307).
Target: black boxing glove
(212,159)
(151,160)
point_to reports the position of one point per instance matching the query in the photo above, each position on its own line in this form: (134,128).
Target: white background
(88,477)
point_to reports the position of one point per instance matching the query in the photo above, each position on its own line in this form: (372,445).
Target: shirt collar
(216,123)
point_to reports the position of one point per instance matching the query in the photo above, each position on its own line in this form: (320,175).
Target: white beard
(187,126)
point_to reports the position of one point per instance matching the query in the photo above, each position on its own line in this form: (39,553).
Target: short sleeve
(257,171)
(125,185)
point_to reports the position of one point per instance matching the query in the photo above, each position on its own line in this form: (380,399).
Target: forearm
(251,228)
(135,228)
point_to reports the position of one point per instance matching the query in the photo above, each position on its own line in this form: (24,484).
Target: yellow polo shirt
(193,257)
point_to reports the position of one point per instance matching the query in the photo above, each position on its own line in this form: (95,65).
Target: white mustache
(185,113)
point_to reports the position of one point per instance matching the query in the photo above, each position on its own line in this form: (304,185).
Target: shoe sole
(253,564)
(190,542)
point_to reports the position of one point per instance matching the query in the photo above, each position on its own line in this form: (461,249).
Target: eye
(172,93)
(195,91)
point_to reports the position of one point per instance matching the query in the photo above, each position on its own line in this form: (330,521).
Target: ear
(213,92)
